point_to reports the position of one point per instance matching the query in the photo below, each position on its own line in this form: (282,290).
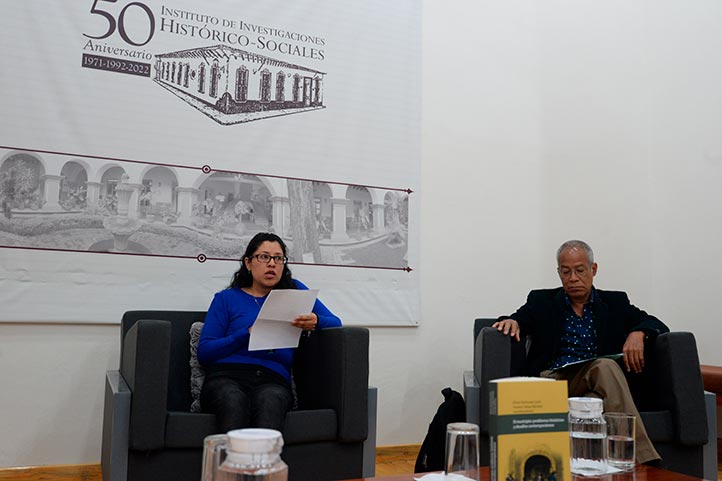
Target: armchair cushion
(307,426)
(187,430)
(198,374)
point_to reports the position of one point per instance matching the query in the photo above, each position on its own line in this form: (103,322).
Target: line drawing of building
(234,86)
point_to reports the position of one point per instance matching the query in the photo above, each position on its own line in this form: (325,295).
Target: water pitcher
(244,455)
(588,436)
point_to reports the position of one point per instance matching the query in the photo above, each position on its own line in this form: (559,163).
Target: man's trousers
(604,379)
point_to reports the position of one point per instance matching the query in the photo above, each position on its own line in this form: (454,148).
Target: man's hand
(633,351)
(508,327)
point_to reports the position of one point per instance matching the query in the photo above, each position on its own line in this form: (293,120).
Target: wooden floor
(390,461)
(71,472)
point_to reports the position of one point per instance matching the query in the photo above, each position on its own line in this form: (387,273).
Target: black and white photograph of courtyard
(64,202)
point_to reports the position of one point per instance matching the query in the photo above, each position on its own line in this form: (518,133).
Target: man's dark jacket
(542,317)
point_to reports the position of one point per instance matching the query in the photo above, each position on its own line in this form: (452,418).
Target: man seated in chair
(576,322)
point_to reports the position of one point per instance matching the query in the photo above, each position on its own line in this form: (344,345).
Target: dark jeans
(243,396)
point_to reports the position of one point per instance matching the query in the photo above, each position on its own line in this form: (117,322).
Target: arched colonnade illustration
(52,183)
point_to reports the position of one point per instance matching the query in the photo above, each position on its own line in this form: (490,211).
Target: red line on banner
(201,258)
(203,168)
(96,157)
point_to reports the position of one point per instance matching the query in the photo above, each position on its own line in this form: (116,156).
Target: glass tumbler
(462,451)
(620,440)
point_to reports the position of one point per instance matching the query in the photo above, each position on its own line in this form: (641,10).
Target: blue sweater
(225,334)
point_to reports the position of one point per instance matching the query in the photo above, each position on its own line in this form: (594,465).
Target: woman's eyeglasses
(266,259)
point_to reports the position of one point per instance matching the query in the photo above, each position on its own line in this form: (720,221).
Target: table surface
(641,472)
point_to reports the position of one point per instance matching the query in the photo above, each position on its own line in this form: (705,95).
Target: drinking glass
(462,451)
(620,440)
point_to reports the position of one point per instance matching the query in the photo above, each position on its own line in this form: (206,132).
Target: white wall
(542,121)
(51,398)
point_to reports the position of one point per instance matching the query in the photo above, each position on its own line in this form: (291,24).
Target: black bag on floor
(431,455)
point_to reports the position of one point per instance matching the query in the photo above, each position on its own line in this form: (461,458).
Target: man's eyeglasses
(581,271)
(266,259)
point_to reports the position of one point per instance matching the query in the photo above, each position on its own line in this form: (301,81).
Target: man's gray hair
(576,244)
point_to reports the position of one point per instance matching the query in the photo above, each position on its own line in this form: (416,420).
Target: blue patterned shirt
(579,340)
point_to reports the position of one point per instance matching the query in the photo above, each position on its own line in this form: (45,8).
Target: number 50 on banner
(119,22)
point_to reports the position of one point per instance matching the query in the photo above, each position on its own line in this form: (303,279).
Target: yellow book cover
(529,430)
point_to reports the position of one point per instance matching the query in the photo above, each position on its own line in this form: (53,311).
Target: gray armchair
(668,394)
(149,433)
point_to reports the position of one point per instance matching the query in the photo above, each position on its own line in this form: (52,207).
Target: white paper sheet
(608,356)
(273,329)
(440,476)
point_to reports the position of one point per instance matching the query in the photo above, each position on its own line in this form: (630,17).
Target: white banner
(144,143)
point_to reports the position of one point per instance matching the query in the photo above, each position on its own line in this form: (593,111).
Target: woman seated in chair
(251,388)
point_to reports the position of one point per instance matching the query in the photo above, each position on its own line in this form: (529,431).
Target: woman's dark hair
(242,277)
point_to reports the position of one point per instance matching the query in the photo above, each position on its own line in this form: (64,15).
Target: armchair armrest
(331,371)
(145,361)
(492,360)
(472,391)
(678,381)
(116,417)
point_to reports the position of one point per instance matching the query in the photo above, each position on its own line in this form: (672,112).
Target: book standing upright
(528,429)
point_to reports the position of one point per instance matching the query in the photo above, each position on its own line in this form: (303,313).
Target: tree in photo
(303,221)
